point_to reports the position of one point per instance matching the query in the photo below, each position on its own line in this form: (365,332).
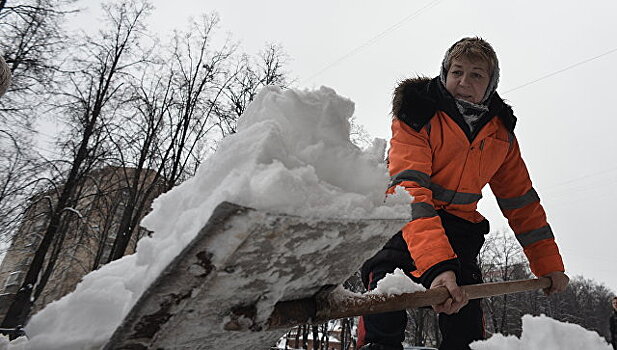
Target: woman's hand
(559,282)
(458,297)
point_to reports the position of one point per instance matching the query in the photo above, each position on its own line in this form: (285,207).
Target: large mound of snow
(292,154)
(545,333)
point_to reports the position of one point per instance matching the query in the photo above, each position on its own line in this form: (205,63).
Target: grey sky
(567,121)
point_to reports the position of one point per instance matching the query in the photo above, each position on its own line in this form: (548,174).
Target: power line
(580,178)
(561,70)
(375,39)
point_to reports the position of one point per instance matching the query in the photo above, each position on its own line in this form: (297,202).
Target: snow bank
(291,154)
(545,333)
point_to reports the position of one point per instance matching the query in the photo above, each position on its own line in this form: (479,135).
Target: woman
(451,136)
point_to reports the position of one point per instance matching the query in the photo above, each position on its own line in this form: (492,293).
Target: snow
(291,154)
(17,344)
(396,283)
(545,333)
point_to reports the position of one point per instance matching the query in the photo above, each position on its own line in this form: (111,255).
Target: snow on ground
(545,333)
(291,154)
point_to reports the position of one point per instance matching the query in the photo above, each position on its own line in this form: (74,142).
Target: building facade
(85,237)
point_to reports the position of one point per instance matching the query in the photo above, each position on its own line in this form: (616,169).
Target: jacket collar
(416,100)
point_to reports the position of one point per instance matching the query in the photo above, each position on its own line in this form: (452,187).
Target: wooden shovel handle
(333,307)
(477,291)
(330,306)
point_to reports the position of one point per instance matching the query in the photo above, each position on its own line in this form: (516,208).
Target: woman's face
(467,80)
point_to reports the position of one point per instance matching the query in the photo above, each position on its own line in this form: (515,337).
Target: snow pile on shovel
(396,283)
(291,154)
(545,333)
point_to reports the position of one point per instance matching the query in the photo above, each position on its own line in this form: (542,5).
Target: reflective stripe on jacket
(433,156)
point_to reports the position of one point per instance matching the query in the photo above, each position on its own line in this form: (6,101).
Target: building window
(13,279)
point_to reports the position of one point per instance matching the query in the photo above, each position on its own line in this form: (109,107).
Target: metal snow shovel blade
(240,265)
(330,305)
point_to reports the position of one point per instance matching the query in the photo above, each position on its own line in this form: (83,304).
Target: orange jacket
(445,166)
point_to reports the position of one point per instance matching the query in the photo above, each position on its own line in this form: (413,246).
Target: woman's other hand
(559,282)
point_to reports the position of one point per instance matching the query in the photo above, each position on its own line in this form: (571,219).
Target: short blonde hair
(474,49)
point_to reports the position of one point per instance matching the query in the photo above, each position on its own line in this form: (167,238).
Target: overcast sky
(558,62)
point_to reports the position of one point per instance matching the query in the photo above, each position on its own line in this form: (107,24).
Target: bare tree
(251,76)
(174,113)
(199,76)
(135,138)
(31,37)
(95,83)
(502,259)
(171,122)
(16,171)
(151,117)
(585,302)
